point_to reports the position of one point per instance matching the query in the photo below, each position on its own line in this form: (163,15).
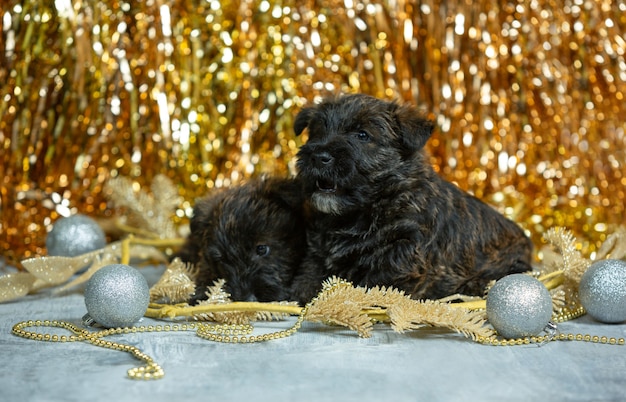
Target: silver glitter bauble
(116,295)
(75,235)
(519,305)
(602,291)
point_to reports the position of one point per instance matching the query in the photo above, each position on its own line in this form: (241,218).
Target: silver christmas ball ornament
(75,235)
(518,306)
(602,291)
(116,295)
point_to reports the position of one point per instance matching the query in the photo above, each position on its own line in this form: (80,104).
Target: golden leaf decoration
(551,260)
(614,246)
(574,264)
(15,285)
(152,213)
(50,271)
(166,192)
(99,261)
(176,285)
(54,270)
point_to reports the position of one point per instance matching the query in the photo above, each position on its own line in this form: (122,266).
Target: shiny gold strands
(519,119)
(528,98)
(136,89)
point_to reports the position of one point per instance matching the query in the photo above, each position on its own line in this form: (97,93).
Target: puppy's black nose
(322,159)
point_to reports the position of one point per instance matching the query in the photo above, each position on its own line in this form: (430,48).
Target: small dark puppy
(378,214)
(252,236)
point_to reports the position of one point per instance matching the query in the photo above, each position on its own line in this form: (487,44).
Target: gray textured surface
(318,363)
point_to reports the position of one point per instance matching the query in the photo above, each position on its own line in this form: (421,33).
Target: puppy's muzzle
(326,186)
(324,160)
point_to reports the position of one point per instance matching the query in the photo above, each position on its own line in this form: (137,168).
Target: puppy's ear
(414,129)
(205,210)
(203,217)
(303,119)
(286,192)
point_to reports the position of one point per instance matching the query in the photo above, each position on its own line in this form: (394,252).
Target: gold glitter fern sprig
(413,314)
(343,304)
(216,294)
(338,303)
(176,285)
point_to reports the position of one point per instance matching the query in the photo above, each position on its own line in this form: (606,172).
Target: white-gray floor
(318,363)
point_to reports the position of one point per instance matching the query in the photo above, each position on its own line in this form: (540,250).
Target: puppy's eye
(214,255)
(262,250)
(363,136)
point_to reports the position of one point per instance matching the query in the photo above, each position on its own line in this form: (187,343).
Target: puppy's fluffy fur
(378,214)
(252,236)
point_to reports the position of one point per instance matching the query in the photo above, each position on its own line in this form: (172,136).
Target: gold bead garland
(494,341)
(241,334)
(568,315)
(565,315)
(528,98)
(150,370)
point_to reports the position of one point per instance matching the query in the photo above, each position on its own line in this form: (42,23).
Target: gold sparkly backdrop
(528,97)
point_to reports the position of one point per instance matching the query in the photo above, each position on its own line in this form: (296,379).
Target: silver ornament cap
(75,235)
(116,295)
(602,291)
(518,306)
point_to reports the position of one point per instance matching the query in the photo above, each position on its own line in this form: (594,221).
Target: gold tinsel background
(528,97)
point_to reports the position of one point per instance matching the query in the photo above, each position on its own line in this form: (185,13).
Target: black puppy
(252,236)
(378,214)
